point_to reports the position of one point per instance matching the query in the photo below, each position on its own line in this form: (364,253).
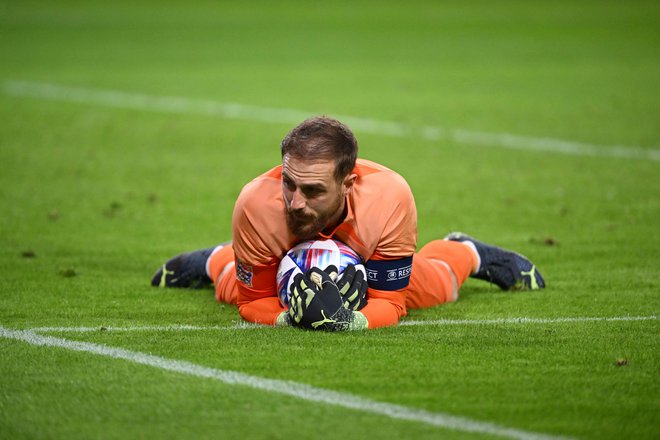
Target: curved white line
(289,388)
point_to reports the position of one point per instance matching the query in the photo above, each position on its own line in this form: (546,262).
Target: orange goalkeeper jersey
(380,225)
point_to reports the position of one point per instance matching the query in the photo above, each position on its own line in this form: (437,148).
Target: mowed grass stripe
(293,389)
(182,105)
(436,322)
(147,328)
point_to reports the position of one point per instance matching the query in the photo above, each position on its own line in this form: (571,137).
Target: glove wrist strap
(283,320)
(360,322)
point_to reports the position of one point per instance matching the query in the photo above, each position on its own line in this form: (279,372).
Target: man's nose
(297,200)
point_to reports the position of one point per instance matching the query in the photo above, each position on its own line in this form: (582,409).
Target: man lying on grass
(322,190)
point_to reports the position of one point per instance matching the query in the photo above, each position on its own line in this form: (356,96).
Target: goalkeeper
(321,190)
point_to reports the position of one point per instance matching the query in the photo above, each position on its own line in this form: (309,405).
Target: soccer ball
(313,253)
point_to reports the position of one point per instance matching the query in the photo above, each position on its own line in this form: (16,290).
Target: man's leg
(202,268)
(439,269)
(509,270)
(442,266)
(220,268)
(187,270)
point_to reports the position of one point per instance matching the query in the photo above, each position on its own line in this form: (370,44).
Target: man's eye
(313,192)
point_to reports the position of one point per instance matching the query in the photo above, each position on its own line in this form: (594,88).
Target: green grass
(94,198)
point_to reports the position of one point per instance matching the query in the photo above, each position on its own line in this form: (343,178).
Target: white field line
(527,320)
(247,325)
(288,388)
(182,105)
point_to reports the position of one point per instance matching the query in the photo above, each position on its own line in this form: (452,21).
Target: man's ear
(349,181)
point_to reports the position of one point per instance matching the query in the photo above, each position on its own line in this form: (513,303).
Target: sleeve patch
(389,274)
(244,273)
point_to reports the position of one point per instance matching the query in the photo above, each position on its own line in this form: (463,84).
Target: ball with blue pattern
(313,253)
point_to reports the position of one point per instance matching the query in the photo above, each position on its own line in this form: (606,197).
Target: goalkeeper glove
(353,288)
(317,304)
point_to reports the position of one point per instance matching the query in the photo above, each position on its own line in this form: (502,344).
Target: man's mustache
(301,215)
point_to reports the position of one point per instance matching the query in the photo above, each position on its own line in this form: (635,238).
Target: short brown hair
(321,137)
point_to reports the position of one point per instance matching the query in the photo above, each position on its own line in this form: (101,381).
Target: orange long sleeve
(384,308)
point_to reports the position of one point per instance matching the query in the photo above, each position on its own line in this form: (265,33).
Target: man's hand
(316,302)
(353,288)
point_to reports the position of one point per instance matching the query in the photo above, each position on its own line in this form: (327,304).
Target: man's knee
(453,294)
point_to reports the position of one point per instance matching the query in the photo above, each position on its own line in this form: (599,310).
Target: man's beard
(307,227)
